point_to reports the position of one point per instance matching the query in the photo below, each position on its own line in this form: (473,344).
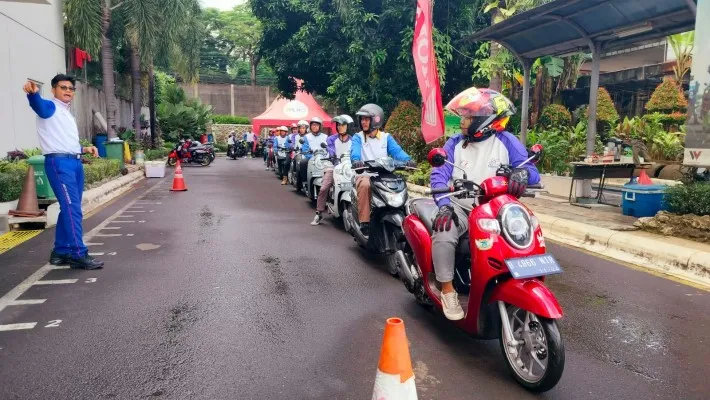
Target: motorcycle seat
(426,210)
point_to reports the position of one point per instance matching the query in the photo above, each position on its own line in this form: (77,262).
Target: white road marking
(27,302)
(59,267)
(113,253)
(111,227)
(18,290)
(53,323)
(108,234)
(56,282)
(90,280)
(94,244)
(96,254)
(136,211)
(125,216)
(141,221)
(129,234)
(17,327)
(123,222)
(135,207)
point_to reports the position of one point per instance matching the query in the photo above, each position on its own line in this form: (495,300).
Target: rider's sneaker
(451,306)
(284,181)
(318,218)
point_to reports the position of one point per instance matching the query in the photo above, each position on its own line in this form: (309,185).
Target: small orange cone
(178,180)
(27,205)
(395,377)
(644,179)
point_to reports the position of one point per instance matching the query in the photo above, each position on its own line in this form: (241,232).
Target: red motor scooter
(499,273)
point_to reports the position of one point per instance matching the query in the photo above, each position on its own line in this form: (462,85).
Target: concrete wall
(248,101)
(89,99)
(31,47)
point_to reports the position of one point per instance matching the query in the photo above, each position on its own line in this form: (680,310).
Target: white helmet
(317,121)
(303,122)
(282,128)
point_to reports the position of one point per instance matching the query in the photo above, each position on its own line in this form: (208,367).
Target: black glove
(518,182)
(411,164)
(358,164)
(444,219)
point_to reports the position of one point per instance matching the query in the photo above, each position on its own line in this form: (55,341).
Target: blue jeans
(66,176)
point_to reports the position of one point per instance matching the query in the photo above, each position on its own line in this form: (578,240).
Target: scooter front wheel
(536,356)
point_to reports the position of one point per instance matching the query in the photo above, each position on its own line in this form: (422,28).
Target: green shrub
(230,119)
(12,176)
(555,116)
(404,124)
(156,154)
(169,145)
(667,98)
(607,116)
(99,169)
(222,147)
(689,199)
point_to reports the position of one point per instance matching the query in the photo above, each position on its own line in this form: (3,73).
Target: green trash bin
(114,151)
(44,190)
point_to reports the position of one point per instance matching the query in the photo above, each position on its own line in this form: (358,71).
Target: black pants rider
(283,164)
(303,170)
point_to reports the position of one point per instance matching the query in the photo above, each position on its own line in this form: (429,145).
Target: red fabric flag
(79,57)
(427,74)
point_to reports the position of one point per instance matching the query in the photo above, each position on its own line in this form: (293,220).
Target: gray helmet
(317,121)
(377,116)
(302,123)
(344,119)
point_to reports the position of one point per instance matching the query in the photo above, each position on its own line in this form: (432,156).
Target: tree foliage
(180,117)
(359,51)
(667,98)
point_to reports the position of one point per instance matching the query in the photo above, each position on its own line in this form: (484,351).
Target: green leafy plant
(692,198)
(156,154)
(404,125)
(667,98)
(668,146)
(607,116)
(179,117)
(230,119)
(99,169)
(554,116)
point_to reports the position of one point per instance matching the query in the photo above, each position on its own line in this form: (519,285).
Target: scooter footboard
(529,294)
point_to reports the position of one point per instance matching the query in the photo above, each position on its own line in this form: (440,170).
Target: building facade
(31,47)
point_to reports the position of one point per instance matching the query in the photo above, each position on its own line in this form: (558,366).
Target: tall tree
(243,31)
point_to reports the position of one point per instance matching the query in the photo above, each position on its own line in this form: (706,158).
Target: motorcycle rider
(281,142)
(294,130)
(230,143)
(249,137)
(312,142)
(269,140)
(337,146)
(369,144)
(481,147)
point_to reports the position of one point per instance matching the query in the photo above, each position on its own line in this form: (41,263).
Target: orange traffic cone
(27,206)
(644,179)
(178,180)
(395,377)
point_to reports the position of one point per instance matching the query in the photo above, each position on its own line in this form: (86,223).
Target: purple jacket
(331,146)
(517,153)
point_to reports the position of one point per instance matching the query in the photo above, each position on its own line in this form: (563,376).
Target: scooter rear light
(534,222)
(489,225)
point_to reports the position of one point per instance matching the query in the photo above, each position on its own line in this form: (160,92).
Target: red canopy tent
(285,112)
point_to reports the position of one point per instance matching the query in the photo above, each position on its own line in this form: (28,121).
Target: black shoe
(87,262)
(365,228)
(59,259)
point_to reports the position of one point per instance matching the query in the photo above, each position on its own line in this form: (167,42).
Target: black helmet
(344,120)
(377,116)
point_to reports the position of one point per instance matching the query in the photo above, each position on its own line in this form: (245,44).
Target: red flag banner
(427,74)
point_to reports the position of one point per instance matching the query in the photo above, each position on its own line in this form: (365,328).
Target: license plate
(528,267)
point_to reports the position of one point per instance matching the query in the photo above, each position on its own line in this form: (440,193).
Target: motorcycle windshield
(386,163)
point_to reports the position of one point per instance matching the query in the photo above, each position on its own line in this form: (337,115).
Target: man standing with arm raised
(59,140)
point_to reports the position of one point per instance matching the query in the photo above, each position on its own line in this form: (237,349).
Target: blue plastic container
(100,143)
(210,138)
(642,200)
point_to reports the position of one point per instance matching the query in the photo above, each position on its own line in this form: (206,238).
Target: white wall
(31,47)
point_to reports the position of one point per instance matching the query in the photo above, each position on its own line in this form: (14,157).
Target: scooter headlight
(395,199)
(516,226)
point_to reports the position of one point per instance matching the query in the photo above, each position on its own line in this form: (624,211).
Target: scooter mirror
(323,146)
(536,151)
(301,141)
(437,157)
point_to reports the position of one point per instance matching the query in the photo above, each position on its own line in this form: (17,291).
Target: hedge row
(230,119)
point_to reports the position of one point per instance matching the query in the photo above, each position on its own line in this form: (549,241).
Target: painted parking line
(111,227)
(17,327)
(27,302)
(108,234)
(56,282)
(94,244)
(97,254)
(123,222)
(60,267)
(125,216)
(20,289)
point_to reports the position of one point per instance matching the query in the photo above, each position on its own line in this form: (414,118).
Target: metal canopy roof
(567,26)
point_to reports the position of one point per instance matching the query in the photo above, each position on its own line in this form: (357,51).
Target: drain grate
(13,239)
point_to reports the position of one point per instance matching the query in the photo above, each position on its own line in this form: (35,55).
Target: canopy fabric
(567,26)
(285,112)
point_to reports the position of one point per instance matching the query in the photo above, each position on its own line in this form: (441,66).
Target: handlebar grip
(441,190)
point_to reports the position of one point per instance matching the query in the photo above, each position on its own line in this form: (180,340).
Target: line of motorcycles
(194,153)
(240,149)
(500,265)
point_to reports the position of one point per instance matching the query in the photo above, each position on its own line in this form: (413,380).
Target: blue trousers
(66,176)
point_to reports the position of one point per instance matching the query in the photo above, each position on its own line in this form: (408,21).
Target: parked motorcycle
(499,274)
(339,195)
(388,198)
(194,154)
(240,149)
(316,169)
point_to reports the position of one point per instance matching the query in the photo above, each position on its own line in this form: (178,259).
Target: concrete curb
(637,248)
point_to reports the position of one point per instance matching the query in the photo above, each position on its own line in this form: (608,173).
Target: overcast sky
(222,4)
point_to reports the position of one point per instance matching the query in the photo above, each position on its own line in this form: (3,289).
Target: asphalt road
(226,292)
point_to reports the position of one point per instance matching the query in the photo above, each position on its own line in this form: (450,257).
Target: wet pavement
(226,292)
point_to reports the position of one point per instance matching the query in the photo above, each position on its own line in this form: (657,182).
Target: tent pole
(593,96)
